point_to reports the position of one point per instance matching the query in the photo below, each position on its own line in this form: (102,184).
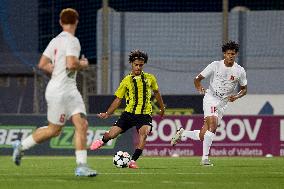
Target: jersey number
(213,109)
(62,118)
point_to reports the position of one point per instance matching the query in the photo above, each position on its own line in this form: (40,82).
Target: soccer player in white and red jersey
(61,60)
(225,76)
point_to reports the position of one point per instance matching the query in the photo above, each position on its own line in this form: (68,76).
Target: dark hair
(138,55)
(69,16)
(231,45)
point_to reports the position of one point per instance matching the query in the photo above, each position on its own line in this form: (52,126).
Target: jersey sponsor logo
(10,133)
(66,139)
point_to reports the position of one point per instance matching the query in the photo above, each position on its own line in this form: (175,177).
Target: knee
(85,126)
(54,132)
(212,125)
(212,128)
(143,136)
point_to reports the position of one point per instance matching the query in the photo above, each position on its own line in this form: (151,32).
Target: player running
(60,60)
(225,76)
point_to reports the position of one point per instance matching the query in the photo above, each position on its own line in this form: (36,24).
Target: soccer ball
(121,159)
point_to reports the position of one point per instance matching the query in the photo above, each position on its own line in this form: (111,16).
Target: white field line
(143,173)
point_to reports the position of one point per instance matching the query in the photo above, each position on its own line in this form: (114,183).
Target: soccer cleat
(133,165)
(96,144)
(17,153)
(177,136)
(206,162)
(83,170)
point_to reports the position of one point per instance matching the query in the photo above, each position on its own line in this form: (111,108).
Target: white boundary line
(144,173)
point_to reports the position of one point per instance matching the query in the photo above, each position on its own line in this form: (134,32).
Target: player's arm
(198,85)
(114,105)
(241,93)
(45,65)
(120,92)
(74,64)
(160,101)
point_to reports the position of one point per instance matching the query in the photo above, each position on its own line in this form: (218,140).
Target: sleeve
(73,48)
(208,70)
(48,52)
(154,84)
(120,92)
(243,78)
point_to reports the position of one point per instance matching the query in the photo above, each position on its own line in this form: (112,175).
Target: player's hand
(201,91)
(104,115)
(84,63)
(232,98)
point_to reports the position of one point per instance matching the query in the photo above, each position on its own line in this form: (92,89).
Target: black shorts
(128,120)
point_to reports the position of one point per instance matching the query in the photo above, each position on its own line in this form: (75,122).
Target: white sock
(81,156)
(28,142)
(207,142)
(194,135)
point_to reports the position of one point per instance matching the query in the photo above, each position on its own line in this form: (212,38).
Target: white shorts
(214,106)
(61,106)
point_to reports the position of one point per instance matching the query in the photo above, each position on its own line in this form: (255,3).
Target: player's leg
(181,133)
(121,125)
(40,135)
(207,132)
(81,127)
(76,111)
(208,136)
(144,127)
(195,134)
(111,134)
(142,136)
(56,119)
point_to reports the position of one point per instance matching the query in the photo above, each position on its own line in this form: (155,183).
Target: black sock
(136,154)
(105,140)
(106,137)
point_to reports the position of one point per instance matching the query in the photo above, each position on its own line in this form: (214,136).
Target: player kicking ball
(136,88)
(225,75)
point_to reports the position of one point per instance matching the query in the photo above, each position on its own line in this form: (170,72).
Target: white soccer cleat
(17,153)
(177,136)
(206,162)
(84,170)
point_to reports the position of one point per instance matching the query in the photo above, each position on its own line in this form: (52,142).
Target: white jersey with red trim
(223,79)
(63,45)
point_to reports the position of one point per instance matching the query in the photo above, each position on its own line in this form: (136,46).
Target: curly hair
(231,45)
(138,55)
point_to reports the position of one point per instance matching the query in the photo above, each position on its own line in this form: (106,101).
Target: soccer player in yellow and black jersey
(136,88)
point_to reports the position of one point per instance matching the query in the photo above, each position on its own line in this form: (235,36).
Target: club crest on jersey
(232,77)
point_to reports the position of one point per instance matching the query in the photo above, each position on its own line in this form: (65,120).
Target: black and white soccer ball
(121,159)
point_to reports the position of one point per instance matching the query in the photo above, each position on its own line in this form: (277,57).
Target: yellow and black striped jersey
(137,91)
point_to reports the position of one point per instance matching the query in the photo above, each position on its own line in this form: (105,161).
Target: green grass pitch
(158,173)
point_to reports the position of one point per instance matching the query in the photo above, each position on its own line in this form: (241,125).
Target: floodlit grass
(173,173)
